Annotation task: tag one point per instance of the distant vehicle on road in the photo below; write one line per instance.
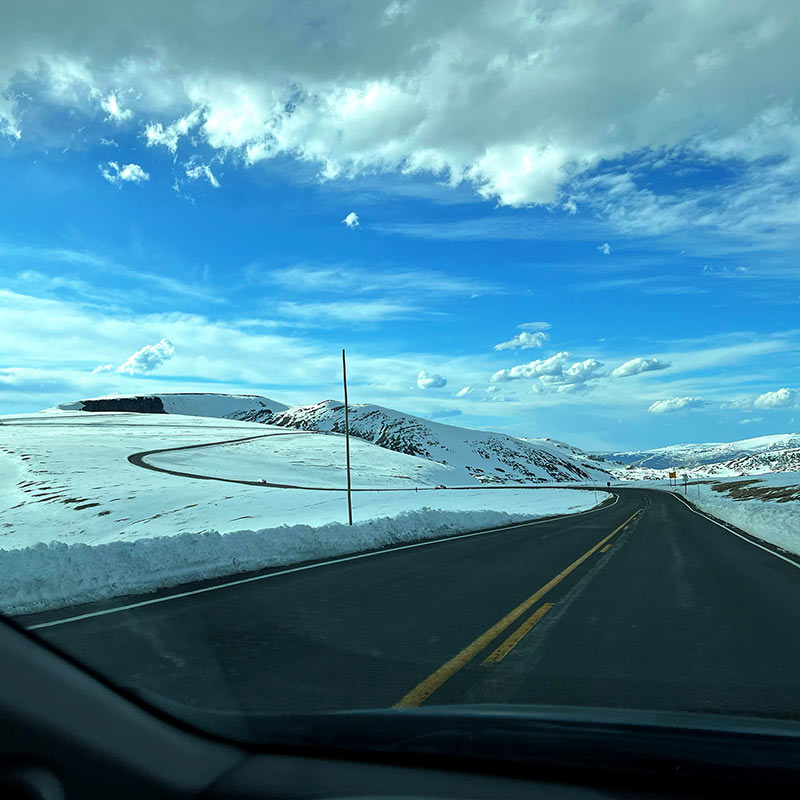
(261, 481)
(440, 486)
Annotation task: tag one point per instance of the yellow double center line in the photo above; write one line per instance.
(422, 691)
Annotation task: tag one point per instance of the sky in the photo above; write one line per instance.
(568, 219)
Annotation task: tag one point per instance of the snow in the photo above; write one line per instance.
(764, 505)
(476, 456)
(308, 459)
(684, 456)
(82, 523)
(252, 408)
(774, 519)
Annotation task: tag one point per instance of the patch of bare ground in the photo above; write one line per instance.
(750, 490)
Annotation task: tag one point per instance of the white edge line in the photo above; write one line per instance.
(339, 560)
(729, 530)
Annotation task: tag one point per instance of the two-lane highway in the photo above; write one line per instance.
(641, 604)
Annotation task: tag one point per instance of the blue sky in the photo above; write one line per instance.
(557, 249)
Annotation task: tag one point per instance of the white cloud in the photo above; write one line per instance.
(351, 220)
(464, 391)
(397, 9)
(553, 371)
(156, 134)
(604, 248)
(456, 90)
(781, 398)
(354, 280)
(115, 112)
(534, 326)
(638, 365)
(676, 404)
(128, 173)
(348, 311)
(523, 341)
(195, 171)
(578, 373)
(572, 388)
(103, 368)
(554, 365)
(426, 381)
(148, 358)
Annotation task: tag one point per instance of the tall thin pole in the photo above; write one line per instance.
(347, 441)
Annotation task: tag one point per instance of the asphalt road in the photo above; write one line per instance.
(644, 604)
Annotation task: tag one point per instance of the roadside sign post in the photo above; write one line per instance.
(673, 477)
(347, 441)
(685, 484)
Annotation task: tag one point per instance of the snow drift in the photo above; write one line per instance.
(54, 575)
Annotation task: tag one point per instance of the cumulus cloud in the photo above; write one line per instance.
(128, 173)
(553, 371)
(781, 398)
(149, 358)
(638, 365)
(578, 373)
(524, 341)
(426, 381)
(351, 220)
(554, 365)
(464, 391)
(451, 89)
(103, 368)
(787, 398)
(604, 248)
(676, 404)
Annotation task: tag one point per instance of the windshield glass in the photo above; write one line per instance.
(405, 355)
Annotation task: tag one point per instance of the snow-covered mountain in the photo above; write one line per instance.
(482, 456)
(243, 407)
(475, 456)
(775, 453)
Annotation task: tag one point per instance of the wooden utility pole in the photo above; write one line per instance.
(347, 441)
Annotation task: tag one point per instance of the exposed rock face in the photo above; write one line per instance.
(143, 404)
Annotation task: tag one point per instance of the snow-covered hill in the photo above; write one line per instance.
(472, 456)
(489, 458)
(243, 407)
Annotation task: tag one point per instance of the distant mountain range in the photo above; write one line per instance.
(476, 456)
(776, 453)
